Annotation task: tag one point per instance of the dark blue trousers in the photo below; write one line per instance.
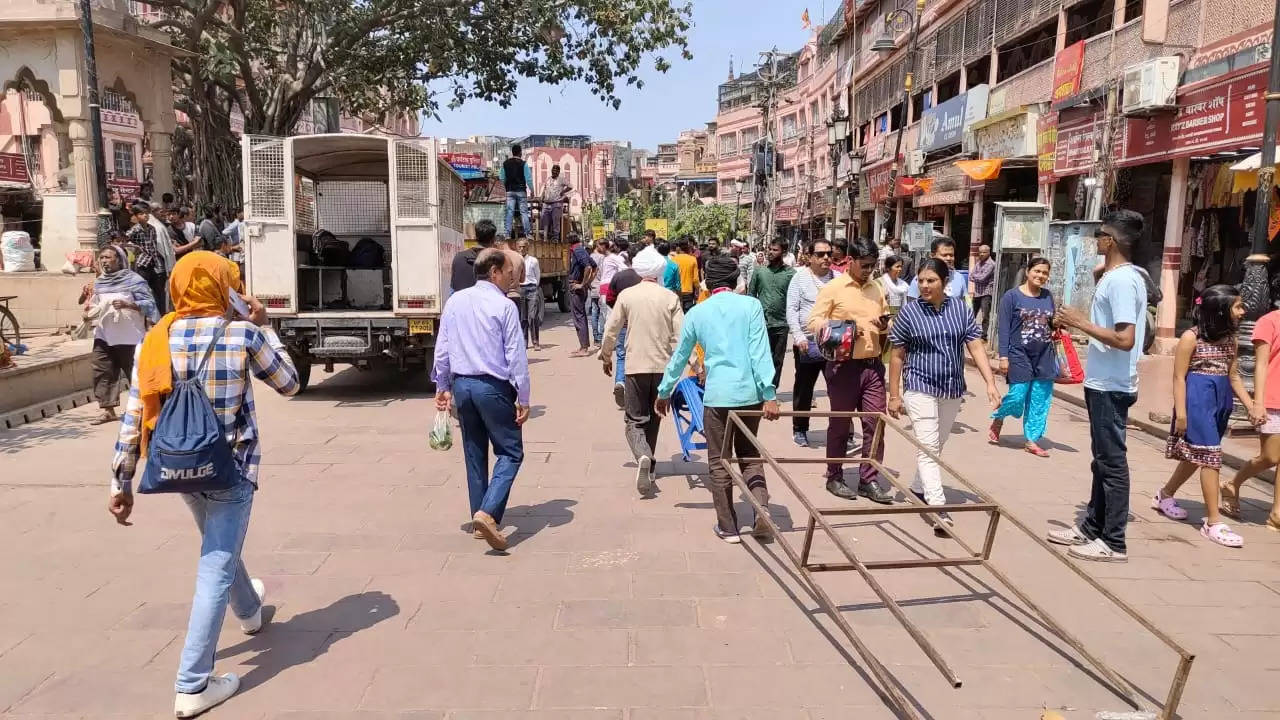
(487, 411)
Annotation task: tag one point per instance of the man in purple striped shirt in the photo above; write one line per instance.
(482, 370)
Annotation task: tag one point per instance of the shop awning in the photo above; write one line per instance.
(1246, 173)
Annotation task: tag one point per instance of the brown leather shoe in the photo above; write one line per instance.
(485, 525)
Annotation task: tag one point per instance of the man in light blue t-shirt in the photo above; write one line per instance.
(944, 249)
(1116, 321)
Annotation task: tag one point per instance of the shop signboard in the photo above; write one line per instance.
(1046, 147)
(944, 125)
(657, 225)
(1218, 115)
(1009, 137)
(878, 183)
(1074, 144)
(1067, 69)
(469, 165)
(13, 168)
(786, 213)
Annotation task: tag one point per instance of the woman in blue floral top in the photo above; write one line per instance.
(1027, 357)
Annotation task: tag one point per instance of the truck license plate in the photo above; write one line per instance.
(419, 326)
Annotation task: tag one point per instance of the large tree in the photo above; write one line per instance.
(271, 58)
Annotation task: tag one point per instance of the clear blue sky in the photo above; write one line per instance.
(681, 99)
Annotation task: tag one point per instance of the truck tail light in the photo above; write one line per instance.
(275, 302)
(417, 302)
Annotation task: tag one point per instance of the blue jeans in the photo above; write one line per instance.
(1108, 514)
(223, 519)
(597, 316)
(620, 357)
(487, 412)
(517, 200)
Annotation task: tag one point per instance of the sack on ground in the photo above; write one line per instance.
(441, 436)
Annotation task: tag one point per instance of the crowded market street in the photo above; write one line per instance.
(607, 606)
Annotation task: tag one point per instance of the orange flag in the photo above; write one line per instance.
(924, 185)
(805, 19)
(980, 169)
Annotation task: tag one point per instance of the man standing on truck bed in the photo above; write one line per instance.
(554, 200)
(462, 274)
(517, 178)
(482, 370)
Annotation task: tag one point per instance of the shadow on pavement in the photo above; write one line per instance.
(353, 387)
(276, 653)
(530, 520)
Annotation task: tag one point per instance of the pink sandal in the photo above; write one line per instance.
(1221, 534)
(1167, 507)
(993, 432)
(1036, 450)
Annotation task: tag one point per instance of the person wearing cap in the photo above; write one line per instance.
(652, 317)
(730, 328)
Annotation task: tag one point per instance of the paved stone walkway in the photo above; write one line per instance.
(608, 607)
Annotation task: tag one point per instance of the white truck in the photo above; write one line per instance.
(348, 243)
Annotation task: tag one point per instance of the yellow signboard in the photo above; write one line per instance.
(658, 225)
(608, 226)
(597, 232)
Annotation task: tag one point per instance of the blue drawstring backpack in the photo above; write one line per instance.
(188, 451)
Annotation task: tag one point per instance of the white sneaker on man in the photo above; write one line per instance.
(644, 476)
(252, 624)
(220, 687)
(1097, 551)
(1068, 536)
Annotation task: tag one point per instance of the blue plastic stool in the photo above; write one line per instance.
(686, 411)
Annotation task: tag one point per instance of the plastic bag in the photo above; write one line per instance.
(16, 252)
(441, 437)
(1070, 372)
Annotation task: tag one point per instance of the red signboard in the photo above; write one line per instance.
(1067, 68)
(13, 168)
(1074, 145)
(878, 183)
(1218, 115)
(786, 213)
(1046, 146)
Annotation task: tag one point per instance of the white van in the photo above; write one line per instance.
(348, 243)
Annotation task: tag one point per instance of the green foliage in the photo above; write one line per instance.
(592, 215)
(705, 221)
(272, 58)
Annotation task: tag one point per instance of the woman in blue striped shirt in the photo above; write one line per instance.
(926, 371)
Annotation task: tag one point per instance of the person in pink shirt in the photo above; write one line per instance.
(1266, 406)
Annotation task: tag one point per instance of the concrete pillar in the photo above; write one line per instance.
(1117, 16)
(82, 163)
(898, 219)
(1061, 41)
(964, 79)
(994, 74)
(161, 161)
(946, 220)
(1167, 311)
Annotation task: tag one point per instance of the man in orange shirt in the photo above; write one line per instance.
(689, 279)
(856, 384)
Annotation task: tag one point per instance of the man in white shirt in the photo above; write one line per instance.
(614, 261)
(531, 293)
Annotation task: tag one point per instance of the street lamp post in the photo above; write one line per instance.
(837, 140)
(855, 167)
(896, 21)
(1256, 286)
(738, 185)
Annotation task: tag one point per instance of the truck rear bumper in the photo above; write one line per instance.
(352, 338)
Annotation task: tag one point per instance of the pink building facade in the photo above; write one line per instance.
(799, 131)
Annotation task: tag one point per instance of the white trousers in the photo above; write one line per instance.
(931, 421)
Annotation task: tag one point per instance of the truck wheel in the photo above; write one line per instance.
(303, 365)
(562, 300)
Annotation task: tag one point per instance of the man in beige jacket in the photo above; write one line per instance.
(652, 317)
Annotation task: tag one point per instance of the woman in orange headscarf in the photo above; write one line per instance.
(201, 286)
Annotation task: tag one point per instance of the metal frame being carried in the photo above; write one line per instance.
(995, 511)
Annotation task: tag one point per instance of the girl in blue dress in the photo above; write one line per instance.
(1205, 375)
(1027, 357)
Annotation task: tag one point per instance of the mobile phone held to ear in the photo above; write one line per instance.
(238, 305)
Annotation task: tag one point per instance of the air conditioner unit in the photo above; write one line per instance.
(915, 162)
(1151, 86)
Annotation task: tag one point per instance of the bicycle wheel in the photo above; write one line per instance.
(9, 332)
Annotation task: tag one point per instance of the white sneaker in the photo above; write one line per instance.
(220, 687)
(644, 476)
(1097, 551)
(253, 623)
(1068, 536)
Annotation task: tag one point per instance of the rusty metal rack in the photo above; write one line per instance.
(982, 558)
